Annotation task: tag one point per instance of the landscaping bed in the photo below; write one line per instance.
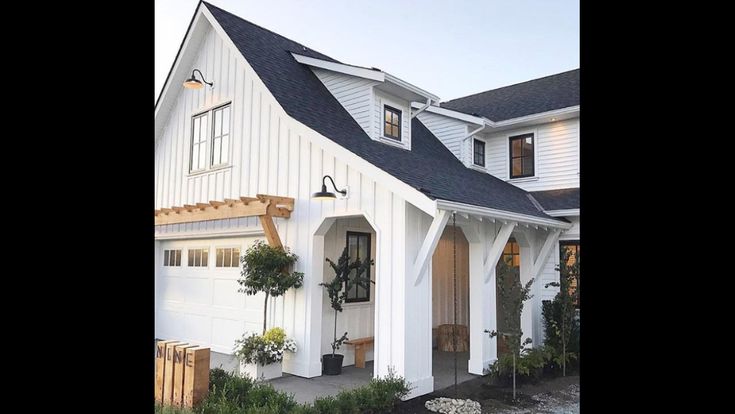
(553, 395)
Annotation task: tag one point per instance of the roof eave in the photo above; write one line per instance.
(500, 214)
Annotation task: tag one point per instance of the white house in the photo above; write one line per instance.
(277, 119)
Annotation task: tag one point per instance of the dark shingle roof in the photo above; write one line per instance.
(526, 98)
(563, 199)
(429, 164)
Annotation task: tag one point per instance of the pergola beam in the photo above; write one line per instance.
(264, 206)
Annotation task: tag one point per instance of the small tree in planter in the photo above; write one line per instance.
(511, 298)
(561, 325)
(337, 290)
(266, 269)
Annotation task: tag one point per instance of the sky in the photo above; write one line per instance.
(449, 48)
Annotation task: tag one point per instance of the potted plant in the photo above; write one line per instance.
(266, 269)
(337, 290)
(261, 355)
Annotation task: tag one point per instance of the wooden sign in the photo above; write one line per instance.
(196, 376)
(182, 373)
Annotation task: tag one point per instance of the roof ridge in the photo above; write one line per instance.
(269, 31)
(511, 85)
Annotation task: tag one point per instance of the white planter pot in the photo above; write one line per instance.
(261, 372)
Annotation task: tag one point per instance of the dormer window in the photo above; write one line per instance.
(521, 156)
(479, 153)
(392, 123)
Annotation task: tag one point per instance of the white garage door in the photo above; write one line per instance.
(197, 299)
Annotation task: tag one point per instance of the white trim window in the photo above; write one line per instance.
(199, 134)
(210, 138)
(220, 135)
(228, 257)
(198, 257)
(172, 258)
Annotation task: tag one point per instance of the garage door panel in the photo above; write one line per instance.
(226, 294)
(226, 331)
(202, 305)
(172, 289)
(197, 291)
(198, 328)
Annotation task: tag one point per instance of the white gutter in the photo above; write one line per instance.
(563, 213)
(422, 109)
(500, 214)
(485, 121)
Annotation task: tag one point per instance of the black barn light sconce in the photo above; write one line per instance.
(194, 83)
(326, 195)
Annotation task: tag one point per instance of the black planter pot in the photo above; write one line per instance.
(332, 365)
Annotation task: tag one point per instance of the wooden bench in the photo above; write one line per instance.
(360, 345)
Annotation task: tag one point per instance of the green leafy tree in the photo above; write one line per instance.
(562, 326)
(267, 269)
(338, 287)
(512, 294)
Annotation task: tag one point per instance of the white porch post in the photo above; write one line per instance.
(485, 250)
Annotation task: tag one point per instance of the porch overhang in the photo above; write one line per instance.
(501, 215)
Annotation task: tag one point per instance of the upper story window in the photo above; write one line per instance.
(210, 135)
(221, 135)
(358, 248)
(392, 122)
(521, 156)
(199, 134)
(479, 153)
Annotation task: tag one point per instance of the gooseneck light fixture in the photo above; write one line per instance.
(326, 195)
(194, 83)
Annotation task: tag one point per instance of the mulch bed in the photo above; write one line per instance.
(491, 397)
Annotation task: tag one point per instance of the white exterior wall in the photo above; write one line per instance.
(354, 93)
(274, 154)
(449, 130)
(557, 155)
(357, 319)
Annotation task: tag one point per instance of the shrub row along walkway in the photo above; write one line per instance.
(557, 395)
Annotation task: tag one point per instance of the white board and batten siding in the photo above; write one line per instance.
(355, 94)
(556, 147)
(273, 154)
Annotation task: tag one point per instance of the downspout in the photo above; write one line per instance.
(468, 136)
(422, 109)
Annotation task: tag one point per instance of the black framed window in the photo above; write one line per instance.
(358, 247)
(392, 123)
(521, 156)
(512, 253)
(571, 246)
(479, 152)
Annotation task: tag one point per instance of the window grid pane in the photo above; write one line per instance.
(358, 247)
(392, 125)
(521, 156)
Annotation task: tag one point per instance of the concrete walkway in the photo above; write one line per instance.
(307, 389)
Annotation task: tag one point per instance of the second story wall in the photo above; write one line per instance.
(354, 93)
(556, 155)
(449, 131)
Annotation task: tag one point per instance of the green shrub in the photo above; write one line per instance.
(551, 311)
(529, 365)
(230, 394)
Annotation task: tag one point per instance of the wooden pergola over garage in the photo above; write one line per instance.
(264, 206)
